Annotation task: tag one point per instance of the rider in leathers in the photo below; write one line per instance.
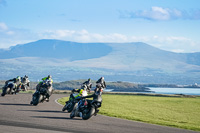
(25, 81)
(97, 95)
(101, 83)
(17, 83)
(88, 84)
(80, 91)
(48, 94)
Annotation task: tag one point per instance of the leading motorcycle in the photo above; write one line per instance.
(41, 94)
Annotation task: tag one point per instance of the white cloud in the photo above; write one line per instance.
(83, 36)
(12, 36)
(10, 32)
(174, 44)
(178, 50)
(160, 13)
(3, 27)
(116, 37)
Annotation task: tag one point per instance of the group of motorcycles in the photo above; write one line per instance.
(77, 106)
(38, 97)
(9, 87)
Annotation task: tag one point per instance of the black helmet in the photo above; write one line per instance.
(89, 79)
(84, 87)
(49, 76)
(25, 76)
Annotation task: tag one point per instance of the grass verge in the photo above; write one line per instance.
(180, 112)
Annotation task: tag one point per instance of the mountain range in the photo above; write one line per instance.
(65, 60)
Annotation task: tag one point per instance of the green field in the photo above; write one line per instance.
(178, 112)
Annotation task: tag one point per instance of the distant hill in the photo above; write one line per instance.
(116, 86)
(57, 49)
(135, 62)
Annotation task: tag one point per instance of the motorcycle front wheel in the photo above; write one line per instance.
(65, 107)
(72, 115)
(5, 91)
(36, 100)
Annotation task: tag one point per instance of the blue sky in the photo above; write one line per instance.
(171, 25)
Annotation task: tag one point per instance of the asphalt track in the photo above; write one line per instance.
(18, 116)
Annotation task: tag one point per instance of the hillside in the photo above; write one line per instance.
(116, 86)
(134, 62)
(56, 49)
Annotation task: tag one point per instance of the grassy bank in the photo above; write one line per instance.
(178, 112)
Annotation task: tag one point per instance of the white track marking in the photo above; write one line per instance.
(58, 102)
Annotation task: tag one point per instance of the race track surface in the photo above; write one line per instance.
(18, 116)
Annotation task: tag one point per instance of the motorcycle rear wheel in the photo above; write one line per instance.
(72, 115)
(87, 115)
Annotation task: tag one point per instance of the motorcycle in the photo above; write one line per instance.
(9, 88)
(41, 94)
(69, 105)
(87, 108)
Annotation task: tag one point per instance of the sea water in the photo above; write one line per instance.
(185, 91)
(160, 90)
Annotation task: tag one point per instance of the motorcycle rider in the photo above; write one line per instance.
(82, 91)
(49, 77)
(88, 84)
(101, 83)
(48, 94)
(25, 81)
(73, 98)
(17, 83)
